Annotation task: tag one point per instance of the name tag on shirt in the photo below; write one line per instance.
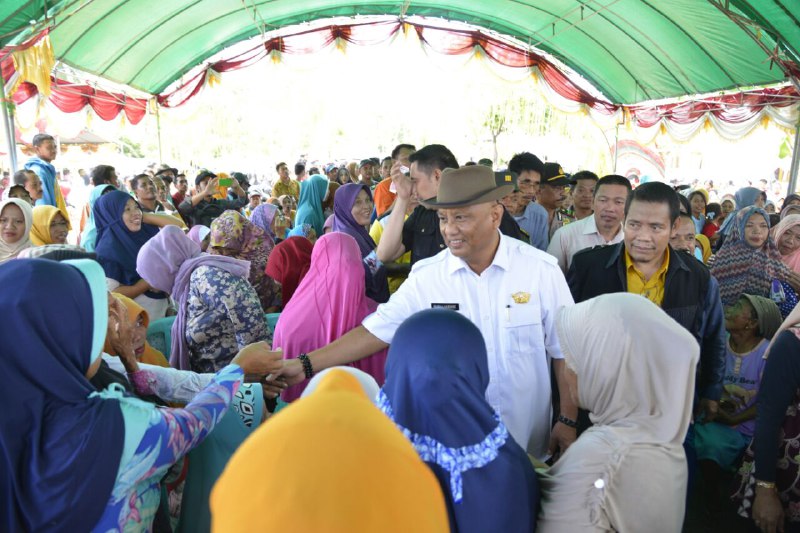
(452, 307)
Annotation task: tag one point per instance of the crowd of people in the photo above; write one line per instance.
(400, 344)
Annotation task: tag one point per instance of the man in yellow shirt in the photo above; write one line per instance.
(652, 288)
(645, 264)
(285, 184)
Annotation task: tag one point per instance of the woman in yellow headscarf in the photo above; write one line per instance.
(49, 226)
(366, 477)
(705, 246)
(140, 320)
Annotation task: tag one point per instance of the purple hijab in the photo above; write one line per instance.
(166, 262)
(262, 216)
(343, 220)
(198, 233)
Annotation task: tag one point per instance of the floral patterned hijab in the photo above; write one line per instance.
(233, 235)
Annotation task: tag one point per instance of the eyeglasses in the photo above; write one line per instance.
(57, 224)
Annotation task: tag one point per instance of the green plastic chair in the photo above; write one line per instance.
(159, 335)
(272, 321)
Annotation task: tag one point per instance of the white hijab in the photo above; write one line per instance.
(636, 372)
(367, 382)
(10, 251)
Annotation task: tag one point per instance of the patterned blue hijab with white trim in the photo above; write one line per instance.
(436, 379)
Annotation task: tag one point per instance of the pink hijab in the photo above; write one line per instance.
(329, 302)
(789, 221)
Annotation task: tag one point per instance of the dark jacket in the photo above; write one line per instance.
(206, 211)
(691, 297)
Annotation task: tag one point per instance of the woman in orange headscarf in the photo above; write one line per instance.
(140, 320)
(367, 477)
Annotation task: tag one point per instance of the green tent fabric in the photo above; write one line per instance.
(630, 50)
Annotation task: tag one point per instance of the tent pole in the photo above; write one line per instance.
(616, 148)
(795, 162)
(158, 130)
(8, 126)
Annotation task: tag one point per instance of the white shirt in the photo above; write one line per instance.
(172, 385)
(576, 236)
(520, 337)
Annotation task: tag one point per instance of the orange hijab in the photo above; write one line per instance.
(335, 463)
(151, 356)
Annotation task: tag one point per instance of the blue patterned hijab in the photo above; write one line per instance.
(117, 247)
(59, 448)
(436, 379)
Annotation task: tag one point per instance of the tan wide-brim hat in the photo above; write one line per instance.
(467, 186)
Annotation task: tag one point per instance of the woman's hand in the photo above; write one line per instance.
(257, 359)
(768, 510)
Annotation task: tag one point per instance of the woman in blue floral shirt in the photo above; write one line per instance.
(72, 459)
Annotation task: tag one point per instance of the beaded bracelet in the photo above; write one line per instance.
(308, 370)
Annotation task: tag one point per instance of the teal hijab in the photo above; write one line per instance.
(89, 233)
(309, 208)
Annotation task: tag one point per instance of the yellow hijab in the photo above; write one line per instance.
(43, 216)
(705, 244)
(330, 462)
(151, 356)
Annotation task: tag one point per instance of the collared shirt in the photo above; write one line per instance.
(534, 222)
(292, 189)
(653, 288)
(514, 304)
(577, 236)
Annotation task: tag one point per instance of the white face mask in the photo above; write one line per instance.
(698, 253)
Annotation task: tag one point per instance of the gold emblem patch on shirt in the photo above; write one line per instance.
(521, 297)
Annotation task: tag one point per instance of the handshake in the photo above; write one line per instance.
(262, 365)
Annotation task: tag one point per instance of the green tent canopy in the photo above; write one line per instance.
(629, 50)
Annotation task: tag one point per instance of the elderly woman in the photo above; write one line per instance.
(232, 235)
(139, 321)
(750, 263)
(632, 457)
(49, 226)
(436, 394)
(99, 457)
(352, 210)
(787, 238)
(218, 310)
(16, 220)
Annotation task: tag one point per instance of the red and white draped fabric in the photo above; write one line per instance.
(731, 115)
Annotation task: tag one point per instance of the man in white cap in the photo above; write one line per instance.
(509, 289)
